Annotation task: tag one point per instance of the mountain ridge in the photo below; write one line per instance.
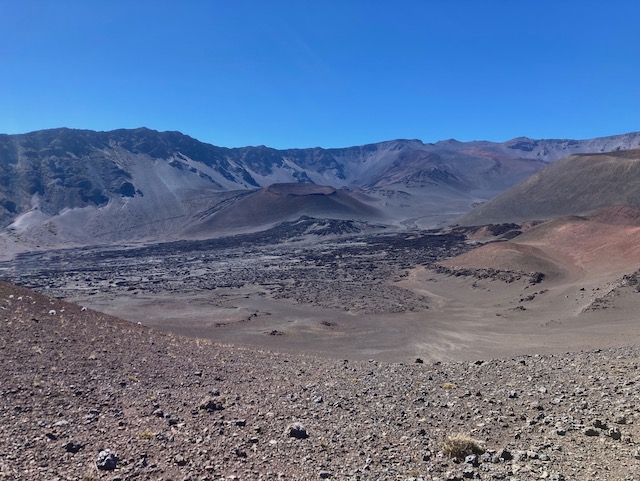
(66, 185)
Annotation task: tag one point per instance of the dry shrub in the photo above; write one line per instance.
(459, 446)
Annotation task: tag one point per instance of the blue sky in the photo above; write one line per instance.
(322, 73)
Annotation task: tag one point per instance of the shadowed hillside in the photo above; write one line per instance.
(284, 202)
(571, 186)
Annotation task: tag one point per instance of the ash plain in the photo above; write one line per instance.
(335, 291)
(338, 289)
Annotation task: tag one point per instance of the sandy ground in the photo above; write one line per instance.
(467, 319)
(581, 303)
(76, 383)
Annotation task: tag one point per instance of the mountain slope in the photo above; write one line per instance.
(571, 186)
(63, 186)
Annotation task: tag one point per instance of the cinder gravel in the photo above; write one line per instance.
(78, 386)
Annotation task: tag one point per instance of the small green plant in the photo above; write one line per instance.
(146, 434)
(459, 446)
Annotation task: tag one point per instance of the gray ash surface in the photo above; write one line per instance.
(352, 271)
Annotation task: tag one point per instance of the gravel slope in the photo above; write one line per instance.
(173, 408)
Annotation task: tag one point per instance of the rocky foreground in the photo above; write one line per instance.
(89, 397)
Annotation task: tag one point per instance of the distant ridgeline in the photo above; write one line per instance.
(77, 187)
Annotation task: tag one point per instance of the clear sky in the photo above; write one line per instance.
(304, 73)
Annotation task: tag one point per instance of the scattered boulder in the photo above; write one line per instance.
(106, 460)
(73, 447)
(297, 430)
(599, 424)
(472, 459)
(505, 455)
(211, 405)
(614, 433)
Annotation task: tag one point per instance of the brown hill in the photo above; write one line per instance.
(506, 256)
(590, 245)
(617, 215)
(575, 185)
(607, 241)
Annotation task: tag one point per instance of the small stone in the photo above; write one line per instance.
(486, 457)
(614, 433)
(505, 455)
(73, 447)
(512, 394)
(597, 423)
(621, 419)
(318, 399)
(325, 474)
(452, 476)
(297, 430)
(211, 405)
(468, 473)
(180, 460)
(106, 460)
(419, 361)
(520, 456)
(591, 432)
(472, 459)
